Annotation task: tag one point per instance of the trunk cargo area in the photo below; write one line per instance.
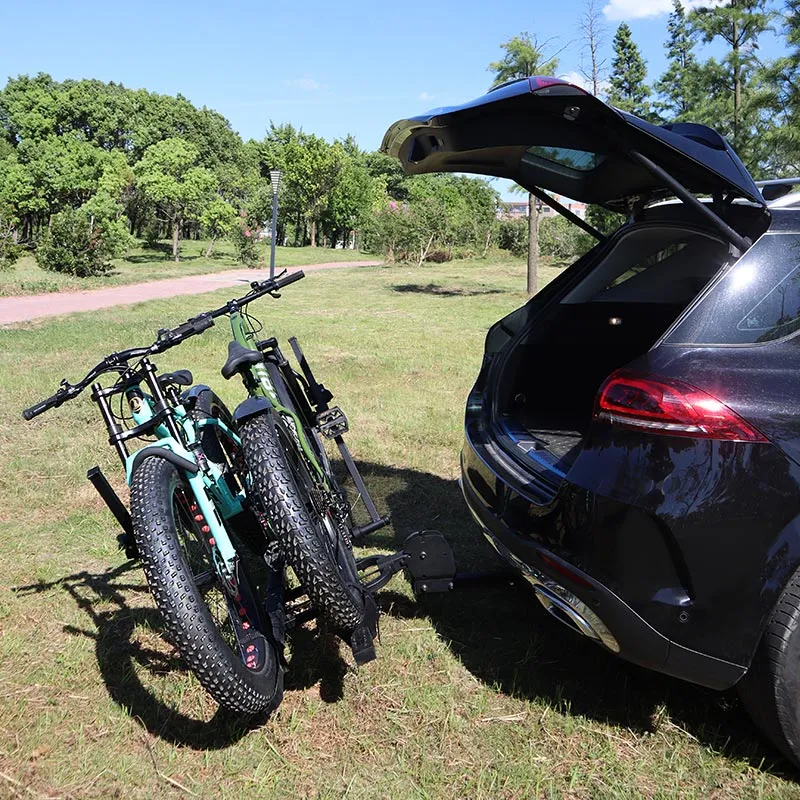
(548, 383)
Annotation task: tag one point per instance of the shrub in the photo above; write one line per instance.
(438, 256)
(152, 233)
(76, 244)
(512, 235)
(9, 252)
(243, 237)
(561, 240)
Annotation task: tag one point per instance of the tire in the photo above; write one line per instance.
(197, 612)
(310, 540)
(770, 691)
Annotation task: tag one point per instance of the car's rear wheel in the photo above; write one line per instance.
(771, 689)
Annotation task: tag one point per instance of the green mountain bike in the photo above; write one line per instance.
(283, 424)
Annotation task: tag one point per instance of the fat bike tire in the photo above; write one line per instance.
(198, 614)
(315, 548)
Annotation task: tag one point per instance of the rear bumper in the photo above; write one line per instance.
(486, 473)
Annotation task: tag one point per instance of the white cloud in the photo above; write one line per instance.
(425, 96)
(305, 83)
(579, 80)
(641, 9)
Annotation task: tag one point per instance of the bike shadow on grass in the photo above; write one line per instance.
(505, 639)
(123, 654)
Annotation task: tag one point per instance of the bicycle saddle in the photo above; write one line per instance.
(181, 377)
(239, 356)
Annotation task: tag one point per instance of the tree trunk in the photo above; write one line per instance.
(176, 240)
(210, 246)
(313, 232)
(533, 244)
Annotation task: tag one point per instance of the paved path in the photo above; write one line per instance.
(20, 309)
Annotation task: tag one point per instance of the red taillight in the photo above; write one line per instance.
(665, 405)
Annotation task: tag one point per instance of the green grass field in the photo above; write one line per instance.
(475, 694)
(143, 264)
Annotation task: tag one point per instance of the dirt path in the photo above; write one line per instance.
(21, 309)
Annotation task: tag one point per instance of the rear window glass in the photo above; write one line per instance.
(758, 299)
(579, 160)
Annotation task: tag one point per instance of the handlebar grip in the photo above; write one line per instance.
(41, 407)
(290, 278)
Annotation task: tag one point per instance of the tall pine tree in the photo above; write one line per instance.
(628, 90)
(784, 77)
(679, 86)
(736, 94)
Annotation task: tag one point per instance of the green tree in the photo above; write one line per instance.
(523, 58)
(735, 92)
(217, 220)
(169, 174)
(628, 91)
(312, 168)
(679, 87)
(784, 81)
(354, 196)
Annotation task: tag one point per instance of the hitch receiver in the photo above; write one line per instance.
(426, 557)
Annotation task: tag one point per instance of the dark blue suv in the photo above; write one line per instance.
(633, 438)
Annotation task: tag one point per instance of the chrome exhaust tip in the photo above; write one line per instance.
(562, 605)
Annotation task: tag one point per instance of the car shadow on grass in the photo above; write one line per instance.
(505, 639)
(122, 655)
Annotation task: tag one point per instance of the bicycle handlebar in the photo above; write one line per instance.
(167, 338)
(44, 405)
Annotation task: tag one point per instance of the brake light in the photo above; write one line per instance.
(668, 406)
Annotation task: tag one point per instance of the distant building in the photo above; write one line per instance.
(518, 209)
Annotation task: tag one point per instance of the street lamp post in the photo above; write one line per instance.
(275, 178)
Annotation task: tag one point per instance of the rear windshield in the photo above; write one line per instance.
(757, 300)
(580, 160)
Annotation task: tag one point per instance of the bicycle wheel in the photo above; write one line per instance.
(220, 634)
(305, 520)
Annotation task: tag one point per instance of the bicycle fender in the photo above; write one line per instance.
(161, 452)
(195, 390)
(251, 407)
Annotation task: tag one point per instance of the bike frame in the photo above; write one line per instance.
(178, 433)
(258, 384)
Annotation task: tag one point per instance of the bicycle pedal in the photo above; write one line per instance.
(332, 422)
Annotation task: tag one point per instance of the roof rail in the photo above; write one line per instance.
(774, 189)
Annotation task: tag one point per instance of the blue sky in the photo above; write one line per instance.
(329, 68)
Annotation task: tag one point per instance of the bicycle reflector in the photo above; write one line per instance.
(668, 406)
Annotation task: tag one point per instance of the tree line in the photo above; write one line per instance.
(86, 165)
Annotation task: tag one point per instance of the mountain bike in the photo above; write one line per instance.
(294, 489)
(221, 599)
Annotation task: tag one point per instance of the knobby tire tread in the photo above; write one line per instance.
(303, 541)
(188, 622)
